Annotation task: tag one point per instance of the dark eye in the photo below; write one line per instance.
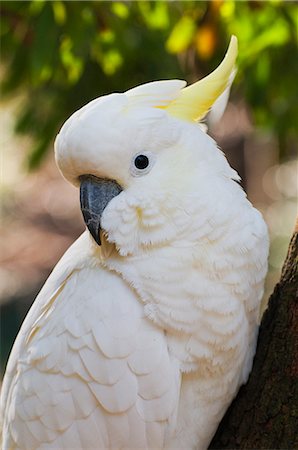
(141, 162)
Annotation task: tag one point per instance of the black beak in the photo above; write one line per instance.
(95, 194)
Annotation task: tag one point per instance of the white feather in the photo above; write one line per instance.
(145, 342)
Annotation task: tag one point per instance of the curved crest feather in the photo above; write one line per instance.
(194, 101)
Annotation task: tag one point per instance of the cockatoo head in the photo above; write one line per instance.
(140, 159)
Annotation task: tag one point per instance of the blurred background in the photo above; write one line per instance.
(58, 55)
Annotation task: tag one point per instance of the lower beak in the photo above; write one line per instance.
(95, 194)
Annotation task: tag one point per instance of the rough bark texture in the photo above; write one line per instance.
(264, 415)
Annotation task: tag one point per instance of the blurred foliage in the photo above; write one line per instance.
(62, 54)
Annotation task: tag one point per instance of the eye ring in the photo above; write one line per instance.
(142, 163)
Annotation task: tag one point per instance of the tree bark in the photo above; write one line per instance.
(264, 415)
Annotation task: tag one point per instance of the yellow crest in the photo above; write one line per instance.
(194, 101)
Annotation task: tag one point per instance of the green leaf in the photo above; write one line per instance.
(36, 6)
(59, 12)
(111, 61)
(43, 48)
(276, 35)
(73, 64)
(155, 14)
(181, 35)
(120, 9)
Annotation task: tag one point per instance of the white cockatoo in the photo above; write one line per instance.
(147, 326)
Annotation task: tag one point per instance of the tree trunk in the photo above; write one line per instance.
(264, 415)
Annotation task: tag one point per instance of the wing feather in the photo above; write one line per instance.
(118, 397)
(88, 369)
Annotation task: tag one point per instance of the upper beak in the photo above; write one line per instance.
(95, 194)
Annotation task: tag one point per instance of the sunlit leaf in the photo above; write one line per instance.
(46, 73)
(276, 35)
(155, 14)
(181, 35)
(111, 61)
(73, 64)
(120, 9)
(36, 7)
(59, 12)
(227, 9)
(107, 36)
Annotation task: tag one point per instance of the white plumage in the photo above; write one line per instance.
(142, 342)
